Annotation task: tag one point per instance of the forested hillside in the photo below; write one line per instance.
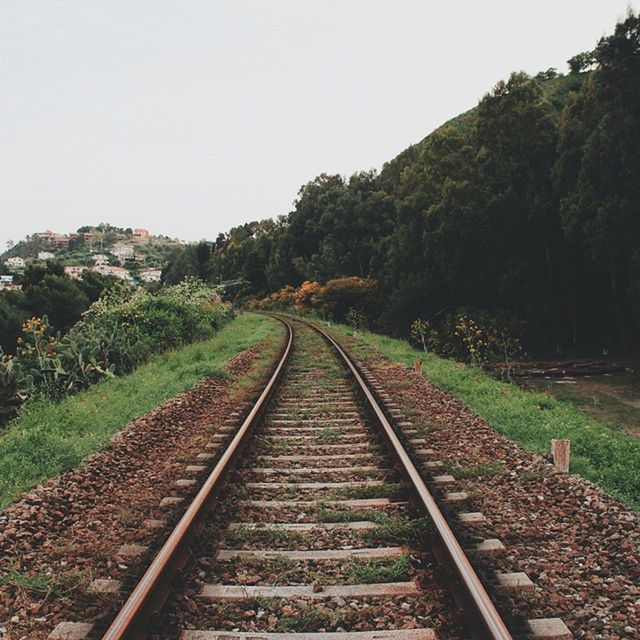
(527, 208)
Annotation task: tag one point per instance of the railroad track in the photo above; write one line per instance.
(322, 528)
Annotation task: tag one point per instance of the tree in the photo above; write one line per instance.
(340, 295)
(12, 318)
(517, 133)
(190, 261)
(93, 284)
(581, 61)
(77, 243)
(59, 298)
(549, 74)
(599, 164)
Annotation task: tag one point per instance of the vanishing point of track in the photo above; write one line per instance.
(325, 499)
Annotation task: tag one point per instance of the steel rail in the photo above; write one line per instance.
(484, 619)
(152, 589)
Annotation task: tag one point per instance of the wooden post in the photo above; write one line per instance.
(417, 366)
(561, 451)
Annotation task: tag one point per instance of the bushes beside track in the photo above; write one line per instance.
(121, 330)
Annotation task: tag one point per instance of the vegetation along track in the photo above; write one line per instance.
(324, 527)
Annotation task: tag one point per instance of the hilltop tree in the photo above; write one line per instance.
(581, 61)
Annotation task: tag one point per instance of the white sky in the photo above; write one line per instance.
(190, 116)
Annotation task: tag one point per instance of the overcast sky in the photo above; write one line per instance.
(188, 117)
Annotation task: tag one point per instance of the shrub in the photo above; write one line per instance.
(336, 297)
(282, 300)
(120, 331)
(350, 298)
(306, 297)
(473, 336)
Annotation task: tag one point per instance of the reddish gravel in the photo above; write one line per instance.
(579, 546)
(69, 529)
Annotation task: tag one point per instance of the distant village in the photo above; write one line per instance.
(123, 255)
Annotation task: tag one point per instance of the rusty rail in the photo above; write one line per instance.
(484, 619)
(152, 589)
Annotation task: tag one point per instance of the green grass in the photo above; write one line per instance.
(395, 529)
(48, 438)
(306, 619)
(612, 398)
(374, 571)
(330, 434)
(60, 586)
(354, 492)
(347, 515)
(599, 452)
(262, 536)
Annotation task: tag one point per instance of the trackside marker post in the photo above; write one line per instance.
(561, 451)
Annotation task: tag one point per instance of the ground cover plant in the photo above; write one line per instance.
(49, 437)
(600, 452)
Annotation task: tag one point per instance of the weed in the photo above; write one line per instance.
(482, 469)
(59, 585)
(345, 515)
(262, 536)
(388, 490)
(330, 434)
(307, 619)
(372, 571)
(127, 515)
(398, 530)
(539, 471)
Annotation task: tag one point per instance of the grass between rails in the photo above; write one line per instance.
(48, 438)
(599, 451)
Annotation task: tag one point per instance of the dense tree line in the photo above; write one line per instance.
(528, 206)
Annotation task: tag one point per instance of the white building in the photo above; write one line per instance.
(109, 270)
(150, 275)
(45, 255)
(100, 258)
(15, 264)
(122, 251)
(6, 281)
(75, 271)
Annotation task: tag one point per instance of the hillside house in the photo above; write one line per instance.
(58, 240)
(122, 252)
(6, 281)
(46, 255)
(100, 258)
(15, 264)
(116, 272)
(150, 275)
(141, 236)
(75, 271)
